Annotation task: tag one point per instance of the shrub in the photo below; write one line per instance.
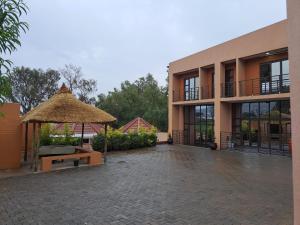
(98, 142)
(64, 138)
(65, 141)
(122, 141)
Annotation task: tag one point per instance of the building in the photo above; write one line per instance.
(137, 125)
(90, 130)
(236, 94)
(293, 12)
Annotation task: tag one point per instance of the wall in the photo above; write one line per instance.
(10, 136)
(269, 38)
(294, 56)
(252, 71)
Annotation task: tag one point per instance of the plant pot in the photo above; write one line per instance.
(76, 162)
(212, 145)
(170, 141)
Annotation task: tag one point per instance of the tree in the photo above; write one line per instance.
(142, 98)
(85, 88)
(72, 75)
(10, 31)
(30, 87)
(82, 87)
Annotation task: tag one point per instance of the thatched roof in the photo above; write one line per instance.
(76, 128)
(64, 107)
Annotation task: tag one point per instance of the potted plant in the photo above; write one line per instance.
(211, 140)
(76, 162)
(170, 140)
(212, 145)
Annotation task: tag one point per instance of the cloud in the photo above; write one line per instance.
(121, 40)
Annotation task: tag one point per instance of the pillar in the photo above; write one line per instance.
(293, 11)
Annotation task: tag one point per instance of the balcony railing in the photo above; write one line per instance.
(207, 92)
(178, 136)
(187, 95)
(228, 89)
(270, 144)
(263, 86)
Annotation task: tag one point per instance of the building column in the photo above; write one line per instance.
(293, 11)
(223, 115)
(200, 82)
(240, 75)
(170, 102)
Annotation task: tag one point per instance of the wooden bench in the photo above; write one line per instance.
(93, 158)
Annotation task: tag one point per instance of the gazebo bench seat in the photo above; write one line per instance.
(93, 158)
(52, 150)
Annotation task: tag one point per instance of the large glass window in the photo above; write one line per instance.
(191, 88)
(275, 77)
(264, 125)
(199, 125)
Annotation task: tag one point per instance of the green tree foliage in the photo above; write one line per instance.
(10, 31)
(30, 87)
(142, 98)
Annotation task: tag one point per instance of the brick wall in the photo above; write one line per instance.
(10, 136)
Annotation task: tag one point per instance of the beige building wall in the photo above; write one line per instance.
(10, 136)
(294, 54)
(231, 53)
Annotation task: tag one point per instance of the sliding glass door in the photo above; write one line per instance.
(263, 125)
(191, 88)
(275, 77)
(199, 125)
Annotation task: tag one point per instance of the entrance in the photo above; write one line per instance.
(263, 126)
(199, 125)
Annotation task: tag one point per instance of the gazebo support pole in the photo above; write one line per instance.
(26, 142)
(37, 148)
(82, 132)
(105, 142)
(33, 146)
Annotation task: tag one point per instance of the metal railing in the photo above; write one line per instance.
(269, 144)
(263, 86)
(187, 95)
(207, 92)
(228, 89)
(178, 136)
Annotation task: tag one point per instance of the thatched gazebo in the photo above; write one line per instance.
(64, 107)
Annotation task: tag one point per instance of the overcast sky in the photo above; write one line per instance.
(117, 40)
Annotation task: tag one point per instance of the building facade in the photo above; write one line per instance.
(293, 12)
(236, 94)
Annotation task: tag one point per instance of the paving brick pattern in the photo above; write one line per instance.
(164, 185)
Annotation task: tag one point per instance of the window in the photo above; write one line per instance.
(263, 125)
(191, 88)
(199, 125)
(275, 77)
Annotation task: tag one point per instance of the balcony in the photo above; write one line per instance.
(228, 89)
(207, 92)
(187, 95)
(265, 86)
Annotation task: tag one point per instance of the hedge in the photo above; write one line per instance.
(122, 141)
(64, 138)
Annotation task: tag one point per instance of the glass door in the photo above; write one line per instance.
(229, 77)
(274, 77)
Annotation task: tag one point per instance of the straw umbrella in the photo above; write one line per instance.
(64, 107)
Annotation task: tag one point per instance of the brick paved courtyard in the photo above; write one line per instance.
(164, 185)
